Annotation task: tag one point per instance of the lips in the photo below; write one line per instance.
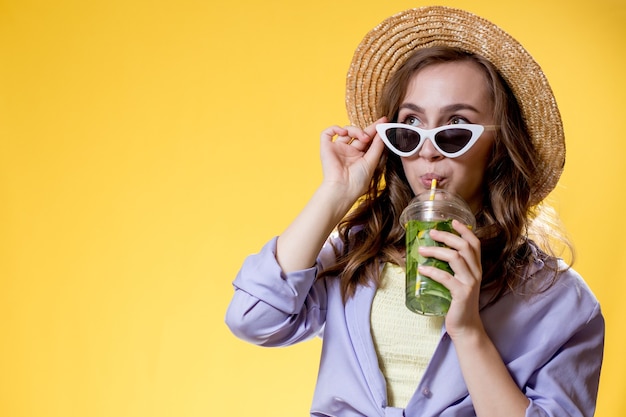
(427, 180)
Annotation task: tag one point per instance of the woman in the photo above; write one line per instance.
(524, 334)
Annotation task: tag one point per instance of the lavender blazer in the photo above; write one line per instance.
(552, 342)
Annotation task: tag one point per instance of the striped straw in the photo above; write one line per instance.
(433, 185)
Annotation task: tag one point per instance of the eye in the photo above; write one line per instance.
(458, 120)
(412, 120)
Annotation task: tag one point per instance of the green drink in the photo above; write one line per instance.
(423, 295)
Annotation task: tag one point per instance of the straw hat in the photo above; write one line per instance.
(385, 48)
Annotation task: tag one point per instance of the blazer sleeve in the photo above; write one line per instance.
(274, 308)
(566, 384)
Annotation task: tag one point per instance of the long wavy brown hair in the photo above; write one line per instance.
(371, 233)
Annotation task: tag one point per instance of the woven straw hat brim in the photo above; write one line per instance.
(385, 48)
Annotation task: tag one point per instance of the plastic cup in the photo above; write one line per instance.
(434, 209)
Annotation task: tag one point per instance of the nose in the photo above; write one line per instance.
(428, 151)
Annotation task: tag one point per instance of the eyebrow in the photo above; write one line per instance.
(447, 109)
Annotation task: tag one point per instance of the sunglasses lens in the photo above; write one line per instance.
(453, 140)
(404, 140)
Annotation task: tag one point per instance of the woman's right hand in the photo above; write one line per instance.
(349, 157)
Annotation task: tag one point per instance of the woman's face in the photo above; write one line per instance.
(443, 94)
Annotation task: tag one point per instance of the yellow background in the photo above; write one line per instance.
(147, 147)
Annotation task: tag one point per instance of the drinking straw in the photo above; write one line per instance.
(433, 185)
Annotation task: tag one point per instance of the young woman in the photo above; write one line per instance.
(524, 334)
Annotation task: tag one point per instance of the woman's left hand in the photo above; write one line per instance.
(463, 255)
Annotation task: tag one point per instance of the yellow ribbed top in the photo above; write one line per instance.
(404, 341)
